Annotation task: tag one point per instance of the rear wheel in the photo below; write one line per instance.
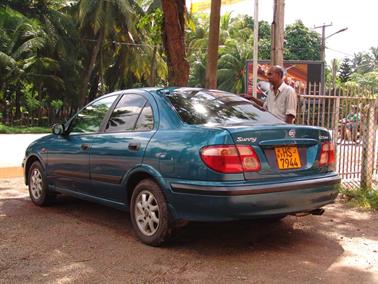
(38, 190)
(149, 213)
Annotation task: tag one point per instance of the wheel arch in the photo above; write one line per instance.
(30, 160)
(140, 173)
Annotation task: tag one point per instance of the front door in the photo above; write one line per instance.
(68, 155)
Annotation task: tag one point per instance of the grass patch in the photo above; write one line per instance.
(23, 130)
(358, 197)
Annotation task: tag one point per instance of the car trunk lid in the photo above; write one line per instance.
(283, 150)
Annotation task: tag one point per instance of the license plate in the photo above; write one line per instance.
(287, 157)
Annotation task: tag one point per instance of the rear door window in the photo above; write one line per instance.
(146, 119)
(126, 114)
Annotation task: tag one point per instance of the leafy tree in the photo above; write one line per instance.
(301, 43)
(264, 40)
(150, 25)
(364, 62)
(345, 70)
(368, 80)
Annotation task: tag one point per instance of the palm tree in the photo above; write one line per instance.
(99, 21)
(231, 67)
(22, 38)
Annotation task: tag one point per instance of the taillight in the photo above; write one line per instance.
(230, 158)
(327, 155)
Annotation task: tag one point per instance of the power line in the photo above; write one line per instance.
(339, 51)
(123, 43)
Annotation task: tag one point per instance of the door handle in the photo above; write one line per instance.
(134, 146)
(84, 147)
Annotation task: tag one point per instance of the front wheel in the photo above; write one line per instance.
(149, 213)
(38, 190)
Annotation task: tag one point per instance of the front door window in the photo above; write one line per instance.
(90, 118)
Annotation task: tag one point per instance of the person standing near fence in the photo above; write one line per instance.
(282, 99)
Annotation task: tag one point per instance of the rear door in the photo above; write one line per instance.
(121, 146)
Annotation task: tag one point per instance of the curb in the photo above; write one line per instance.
(11, 172)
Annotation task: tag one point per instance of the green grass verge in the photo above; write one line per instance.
(357, 197)
(23, 130)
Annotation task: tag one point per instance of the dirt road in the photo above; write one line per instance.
(76, 241)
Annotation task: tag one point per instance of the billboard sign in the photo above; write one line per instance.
(298, 75)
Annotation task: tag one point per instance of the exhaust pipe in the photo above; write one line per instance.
(318, 212)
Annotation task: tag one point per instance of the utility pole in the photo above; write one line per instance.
(213, 44)
(255, 47)
(322, 57)
(334, 72)
(278, 31)
(322, 51)
(322, 44)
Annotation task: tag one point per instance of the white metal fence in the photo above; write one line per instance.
(351, 116)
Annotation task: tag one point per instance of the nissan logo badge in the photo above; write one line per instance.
(292, 133)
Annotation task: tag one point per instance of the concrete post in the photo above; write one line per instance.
(368, 148)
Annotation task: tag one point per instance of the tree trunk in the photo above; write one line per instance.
(91, 66)
(17, 114)
(94, 87)
(152, 79)
(174, 41)
(212, 49)
(3, 105)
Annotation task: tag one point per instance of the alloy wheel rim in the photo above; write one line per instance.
(147, 213)
(36, 184)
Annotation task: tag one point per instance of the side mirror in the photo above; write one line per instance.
(58, 129)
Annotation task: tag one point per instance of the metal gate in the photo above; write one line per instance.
(351, 117)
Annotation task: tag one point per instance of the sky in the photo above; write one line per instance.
(360, 17)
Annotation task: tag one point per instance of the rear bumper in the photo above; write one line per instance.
(206, 201)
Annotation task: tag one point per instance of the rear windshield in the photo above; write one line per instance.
(217, 108)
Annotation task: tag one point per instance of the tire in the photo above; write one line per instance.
(149, 213)
(38, 190)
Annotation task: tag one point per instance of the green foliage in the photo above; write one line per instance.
(345, 70)
(31, 98)
(301, 43)
(364, 62)
(364, 198)
(23, 130)
(231, 65)
(56, 104)
(236, 43)
(364, 71)
(368, 80)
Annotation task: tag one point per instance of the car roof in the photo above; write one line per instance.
(162, 91)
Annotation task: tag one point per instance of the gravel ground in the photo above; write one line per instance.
(76, 241)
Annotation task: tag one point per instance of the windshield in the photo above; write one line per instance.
(211, 107)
